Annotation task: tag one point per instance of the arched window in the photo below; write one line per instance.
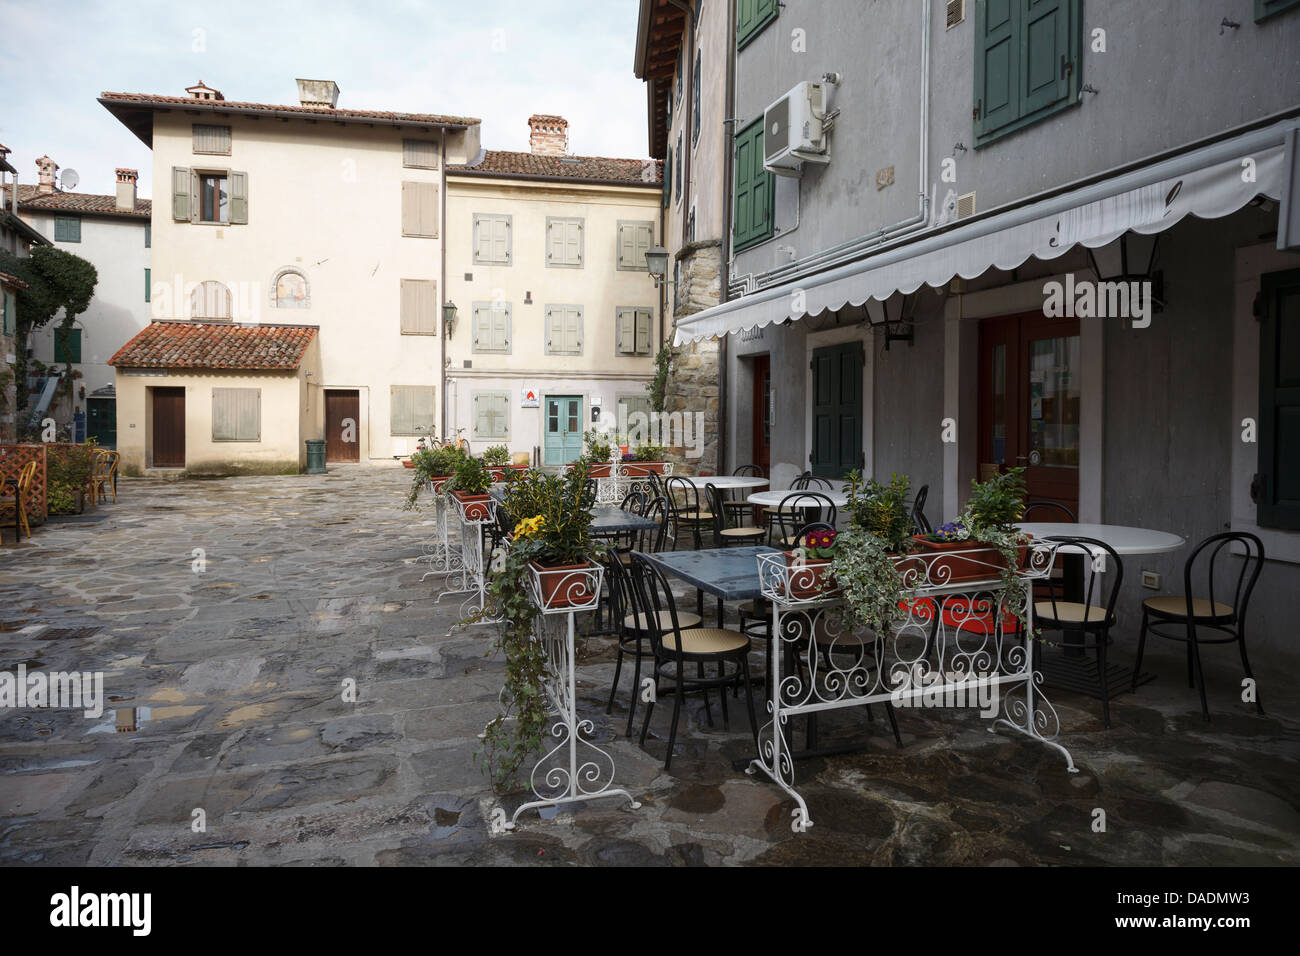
(289, 290)
(210, 300)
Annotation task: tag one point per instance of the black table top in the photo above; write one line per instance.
(728, 573)
(605, 519)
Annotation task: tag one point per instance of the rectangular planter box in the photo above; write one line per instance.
(567, 585)
(643, 467)
(475, 507)
(975, 562)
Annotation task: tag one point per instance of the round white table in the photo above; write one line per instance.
(726, 482)
(773, 499)
(1123, 539)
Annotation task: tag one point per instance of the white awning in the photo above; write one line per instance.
(1208, 182)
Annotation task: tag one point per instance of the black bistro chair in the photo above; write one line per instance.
(1047, 511)
(739, 511)
(725, 534)
(1186, 618)
(798, 509)
(920, 523)
(677, 647)
(684, 502)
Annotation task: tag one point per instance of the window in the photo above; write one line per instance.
(491, 416)
(668, 178)
(420, 210)
(634, 241)
(491, 239)
(209, 195)
(67, 345)
(148, 234)
(1278, 496)
(751, 17)
(492, 327)
(754, 190)
(677, 173)
(411, 410)
(695, 101)
(148, 287)
(212, 139)
(563, 243)
(564, 330)
(420, 153)
(680, 71)
(1267, 8)
(1027, 61)
(419, 307)
(634, 417)
(67, 228)
(236, 414)
(289, 289)
(210, 300)
(632, 331)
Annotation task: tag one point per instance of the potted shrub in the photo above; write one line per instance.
(984, 538)
(433, 466)
(469, 484)
(68, 474)
(868, 553)
(649, 457)
(553, 534)
(810, 564)
(596, 454)
(497, 458)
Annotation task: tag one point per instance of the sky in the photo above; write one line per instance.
(499, 60)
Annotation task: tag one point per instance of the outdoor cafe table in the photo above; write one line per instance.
(729, 574)
(726, 482)
(773, 499)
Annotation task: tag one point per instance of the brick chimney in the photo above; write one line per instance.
(126, 179)
(318, 93)
(45, 181)
(548, 135)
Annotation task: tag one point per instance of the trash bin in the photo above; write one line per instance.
(315, 456)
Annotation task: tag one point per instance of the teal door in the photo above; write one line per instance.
(837, 410)
(563, 429)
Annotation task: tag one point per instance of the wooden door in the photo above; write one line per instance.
(563, 438)
(762, 413)
(342, 428)
(169, 428)
(1029, 402)
(837, 410)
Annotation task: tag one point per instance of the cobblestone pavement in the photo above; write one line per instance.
(234, 675)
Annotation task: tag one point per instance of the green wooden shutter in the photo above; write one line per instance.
(754, 189)
(67, 229)
(238, 197)
(148, 287)
(1044, 54)
(211, 139)
(1278, 495)
(67, 345)
(837, 409)
(1267, 8)
(668, 178)
(997, 64)
(751, 17)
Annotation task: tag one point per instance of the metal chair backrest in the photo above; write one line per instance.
(633, 501)
(750, 471)
(652, 539)
(656, 604)
(800, 508)
(622, 600)
(1055, 511)
(713, 499)
(682, 495)
(920, 523)
(1236, 594)
(1102, 568)
(808, 481)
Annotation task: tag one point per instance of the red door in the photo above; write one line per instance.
(169, 428)
(762, 413)
(342, 431)
(1029, 403)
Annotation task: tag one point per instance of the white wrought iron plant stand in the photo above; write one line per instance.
(939, 648)
(473, 562)
(440, 554)
(625, 476)
(574, 770)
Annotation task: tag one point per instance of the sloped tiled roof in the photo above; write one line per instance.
(168, 344)
(596, 169)
(30, 199)
(13, 281)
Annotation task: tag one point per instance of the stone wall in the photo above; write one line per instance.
(693, 378)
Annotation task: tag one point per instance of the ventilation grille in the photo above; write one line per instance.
(965, 205)
(956, 12)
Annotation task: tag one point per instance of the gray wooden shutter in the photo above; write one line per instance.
(573, 318)
(500, 239)
(643, 239)
(236, 414)
(401, 411)
(501, 329)
(643, 331)
(419, 307)
(181, 193)
(555, 243)
(626, 321)
(573, 243)
(422, 402)
(627, 245)
(211, 139)
(500, 415)
(238, 197)
(420, 153)
(420, 210)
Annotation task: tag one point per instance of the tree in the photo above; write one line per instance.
(56, 280)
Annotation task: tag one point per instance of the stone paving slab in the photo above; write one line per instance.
(234, 679)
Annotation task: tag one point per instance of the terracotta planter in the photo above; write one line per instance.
(598, 471)
(407, 463)
(977, 562)
(645, 467)
(622, 450)
(439, 483)
(475, 506)
(498, 472)
(810, 579)
(565, 585)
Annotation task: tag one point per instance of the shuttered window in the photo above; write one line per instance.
(1028, 55)
(677, 173)
(1267, 8)
(492, 244)
(634, 413)
(492, 327)
(695, 101)
(564, 330)
(491, 416)
(148, 286)
(209, 195)
(214, 140)
(210, 300)
(751, 17)
(67, 345)
(1278, 486)
(634, 241)
(564, 243)
(419, 307)
(633, 330)
(420, 153)
(181, 193)
(67, 228)
(411, 410)
(236, 414)
(148, 235)
(668, 178)
(420, 210)
(755, 188)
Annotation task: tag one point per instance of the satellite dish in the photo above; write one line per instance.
(69, 179)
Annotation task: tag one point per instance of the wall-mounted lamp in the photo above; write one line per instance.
(893, 316)
(449, 316)
(656, 260)
(1130, 258)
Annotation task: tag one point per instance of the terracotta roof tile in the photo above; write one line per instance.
(169, 344)
(233, 106)
(13, 281)
(503, 163)
(30, 199)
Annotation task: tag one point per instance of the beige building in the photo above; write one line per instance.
(557, 319)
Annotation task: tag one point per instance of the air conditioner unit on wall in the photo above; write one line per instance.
(793, 130)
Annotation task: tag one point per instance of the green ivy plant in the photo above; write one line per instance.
(657, 387)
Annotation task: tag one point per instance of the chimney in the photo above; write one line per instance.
(47, 167)
(126, 179)
(322, 94)
(202, 92)
(548, 135)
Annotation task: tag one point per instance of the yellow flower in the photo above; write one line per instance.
(530, 526)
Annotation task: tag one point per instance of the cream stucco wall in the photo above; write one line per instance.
(324, 199)
(599, 287)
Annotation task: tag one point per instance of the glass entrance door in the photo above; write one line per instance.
(563, 438)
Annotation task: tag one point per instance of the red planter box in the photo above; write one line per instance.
(476, 507)
(565, 585)
(630, 467)
(810, 579)
(979, 562)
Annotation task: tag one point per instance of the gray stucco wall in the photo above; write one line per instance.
(908, 397)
